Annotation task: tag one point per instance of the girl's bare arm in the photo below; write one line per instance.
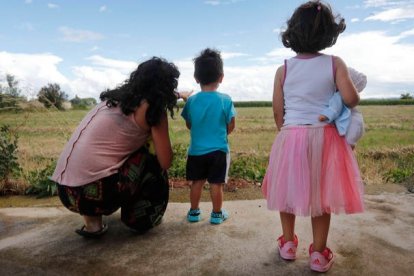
(344, 84)
(278, 102)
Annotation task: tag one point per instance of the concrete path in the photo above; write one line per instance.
(41, 241)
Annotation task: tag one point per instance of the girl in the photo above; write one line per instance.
(107, 164)
(312, 170)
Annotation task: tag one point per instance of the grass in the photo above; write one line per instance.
(42, 135)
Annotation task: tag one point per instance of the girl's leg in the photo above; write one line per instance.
(216, 193)
(320, 228)
(288, 226)
(195, 193)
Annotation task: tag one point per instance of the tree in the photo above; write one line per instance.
(406, 96)
(10, 95)
(82, 103)
(51, 95)
(13, 89)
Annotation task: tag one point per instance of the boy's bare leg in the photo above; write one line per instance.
(288, 226)
(93, 223)
(320, 229)
(195, 193)
(216, 193)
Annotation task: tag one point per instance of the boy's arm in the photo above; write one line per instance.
(188, 124)
(231, 125)
(185, 114)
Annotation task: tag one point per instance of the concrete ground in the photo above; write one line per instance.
(41, 241)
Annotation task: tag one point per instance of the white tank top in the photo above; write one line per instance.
(308, 85)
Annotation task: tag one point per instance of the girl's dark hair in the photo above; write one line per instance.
(155, 81)
(312, 28)
(208, 66)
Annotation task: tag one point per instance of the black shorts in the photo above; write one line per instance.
(213, 166)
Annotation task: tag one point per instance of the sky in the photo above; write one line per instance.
(89, 46)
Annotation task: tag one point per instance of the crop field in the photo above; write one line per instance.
(385, 153)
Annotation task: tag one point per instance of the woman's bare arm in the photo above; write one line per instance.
(162, 143)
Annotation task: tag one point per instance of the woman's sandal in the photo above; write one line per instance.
(92, 235)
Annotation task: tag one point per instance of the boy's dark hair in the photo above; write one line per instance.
(155, 81)
(312, 28)
(208, 66)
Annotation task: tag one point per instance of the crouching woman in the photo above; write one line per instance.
(119, 153)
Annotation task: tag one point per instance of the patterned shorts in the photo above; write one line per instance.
(140, 189)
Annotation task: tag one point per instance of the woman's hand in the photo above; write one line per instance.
(184, 95)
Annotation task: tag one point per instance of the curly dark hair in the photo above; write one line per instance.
(155, 81)
(312, 28)
(208, 66)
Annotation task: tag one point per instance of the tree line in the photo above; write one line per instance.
(50, 95)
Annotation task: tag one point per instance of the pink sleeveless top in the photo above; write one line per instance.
(308, 86)
(99, 146)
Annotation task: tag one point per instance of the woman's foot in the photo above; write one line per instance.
(95, 234)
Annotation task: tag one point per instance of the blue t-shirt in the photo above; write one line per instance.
(209, 113)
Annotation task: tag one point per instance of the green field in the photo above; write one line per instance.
(384, 153)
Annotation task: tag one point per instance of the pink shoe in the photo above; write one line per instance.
(321, 261)
(287, 249)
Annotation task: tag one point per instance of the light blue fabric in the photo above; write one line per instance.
(208, 113)
(338, 113)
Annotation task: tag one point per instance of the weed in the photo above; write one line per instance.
(41, 185)
(9, 165)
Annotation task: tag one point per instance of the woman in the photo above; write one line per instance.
(108, 164)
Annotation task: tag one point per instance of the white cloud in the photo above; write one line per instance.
(28, 1)
(393, 14)
(32, 70)
(221, 2)
(382, 58)
(407, 33)
(74, 35)
(121, 65)
(102, 8)
(229, 55)
(353, 20)
(90, 81)
(386, 3)
(241, 83)
(52, 6)
(212, 3)
(279, 54)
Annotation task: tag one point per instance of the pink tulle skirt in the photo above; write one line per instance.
(312, 170)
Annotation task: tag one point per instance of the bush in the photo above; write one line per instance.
(179, 161)
(248, 167)
(8, 157)
(40, 183)
(52, 96)
(398, 175)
